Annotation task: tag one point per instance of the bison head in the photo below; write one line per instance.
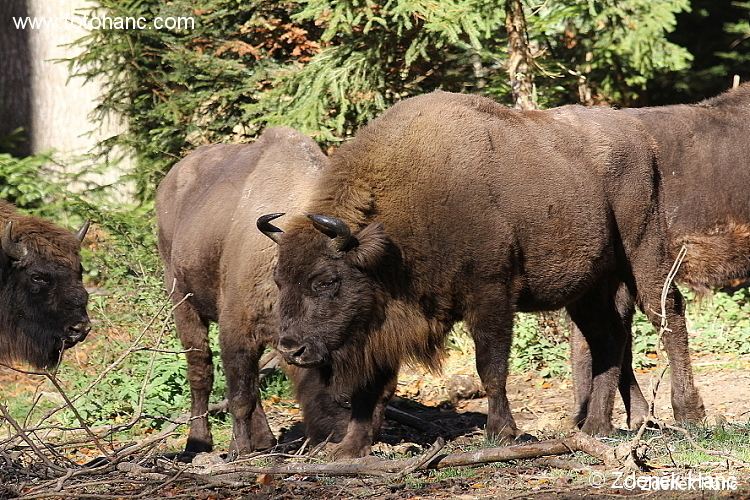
(44, 301)
(329, 289)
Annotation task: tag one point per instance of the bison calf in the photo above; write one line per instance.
(451, 207)
(44, 301)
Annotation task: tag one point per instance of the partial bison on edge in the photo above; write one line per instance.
(451, 207)
(206, 208)
(44, 299)
(704, 160)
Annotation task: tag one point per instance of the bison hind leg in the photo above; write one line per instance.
(193, 333)
(598, 320)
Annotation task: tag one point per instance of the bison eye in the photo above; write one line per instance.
(38, 279)
(323, 285)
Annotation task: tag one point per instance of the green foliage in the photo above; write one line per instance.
(716, 33)
(374, 54)
(27, 182)
(613, 46)
(326, 67)
(533, 351)
(721, 323)
(179, 89)
(718, 324)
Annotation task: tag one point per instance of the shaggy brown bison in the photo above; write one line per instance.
(451, 207)
(206, 211)
(704, 158)
(44, 301)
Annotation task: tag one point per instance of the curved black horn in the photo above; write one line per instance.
(334, 228)
(12, 249)
(81, 233)
(265, 226)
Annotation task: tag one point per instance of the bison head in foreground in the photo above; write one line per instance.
(44, 302)
(329, 291)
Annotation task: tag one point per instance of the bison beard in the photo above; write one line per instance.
(40, 282)
(452, 207)
(704, 159)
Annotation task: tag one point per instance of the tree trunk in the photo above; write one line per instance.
(520, 58)
(15, 78)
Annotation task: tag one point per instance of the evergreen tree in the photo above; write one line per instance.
(328, 66)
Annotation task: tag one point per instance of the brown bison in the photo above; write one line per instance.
(44, 301)
(451, 207)
(206, 211)
(704, 159)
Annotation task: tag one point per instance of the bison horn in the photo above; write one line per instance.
(265, 226)
(81, 233)
(12, 249)
(333, 228)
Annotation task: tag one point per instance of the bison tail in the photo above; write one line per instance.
(714, 258)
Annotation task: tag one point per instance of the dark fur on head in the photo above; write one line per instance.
(378, 305)
(45, 301)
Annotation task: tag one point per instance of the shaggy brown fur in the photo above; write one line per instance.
(462, 209)
(44, 299)
(206, 209)
(705, 166)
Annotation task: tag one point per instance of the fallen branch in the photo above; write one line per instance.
(375, 466)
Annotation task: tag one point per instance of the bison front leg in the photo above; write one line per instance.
(491, 327)
(636, 406)
(368, 412)
(193, 333)
(240, 356)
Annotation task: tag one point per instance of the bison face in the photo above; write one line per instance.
(46, 299)
(328, 289)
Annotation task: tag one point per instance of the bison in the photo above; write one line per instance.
(206, 210)
(44, 309)
(451, 207)
(705, 166)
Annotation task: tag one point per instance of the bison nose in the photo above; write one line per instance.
(291, 350)
(77, 332)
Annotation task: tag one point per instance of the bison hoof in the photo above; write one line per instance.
(263, 442)
(344, 450)
(195, 446)
(525, 438)
(595, 427)
(636, 420)
(692, 412)
(505, 436)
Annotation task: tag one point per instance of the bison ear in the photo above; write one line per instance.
(372, 245)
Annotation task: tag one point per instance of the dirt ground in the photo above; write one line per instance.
(451, 405)
(540, 407)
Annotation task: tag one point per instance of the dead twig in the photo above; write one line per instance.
(420, 461)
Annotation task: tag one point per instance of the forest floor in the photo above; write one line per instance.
(452, 406)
